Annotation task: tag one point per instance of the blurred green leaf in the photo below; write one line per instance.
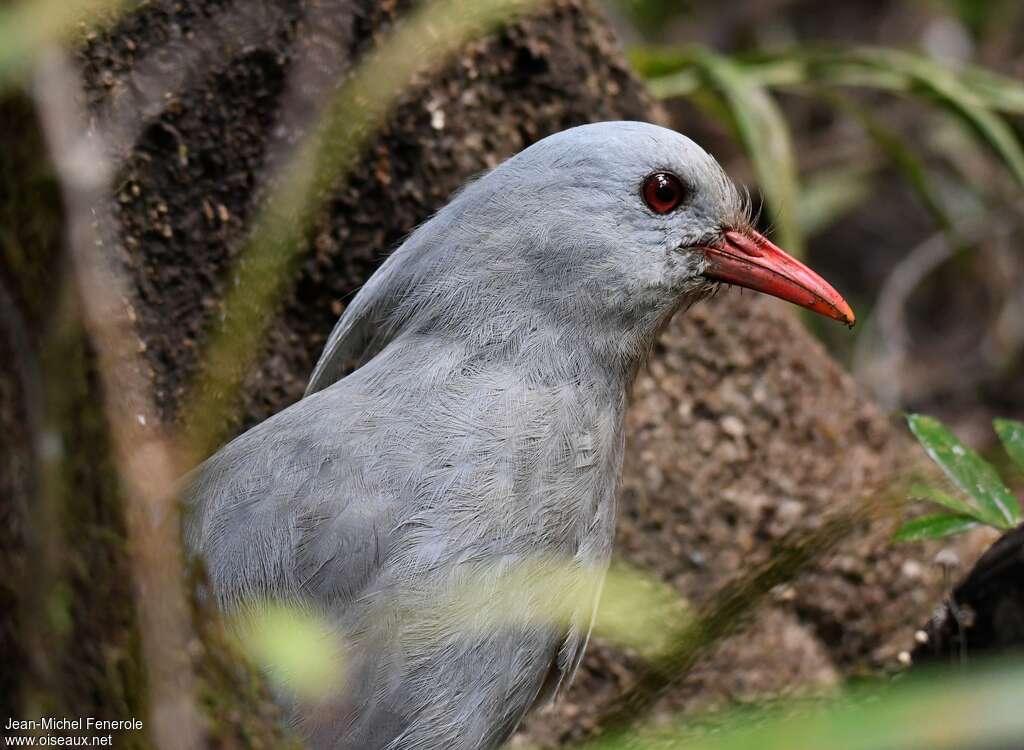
(999, 92)
(651, 61)
(298, 648)
(652, 15)
(934, 527)
(835, 65)
(832, 193)
(27, 27)
(899, 153)
(945, 710)
(1011, 433)
(968, 471)
(973, 13)
(947, 501)
(945, 87)
(762, 129)
(899, 70)
(639, 610)
(975, 95)
(869, 67)
(635, 608)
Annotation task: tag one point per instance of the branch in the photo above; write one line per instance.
(144, 458)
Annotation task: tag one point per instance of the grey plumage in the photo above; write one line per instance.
(481, 427)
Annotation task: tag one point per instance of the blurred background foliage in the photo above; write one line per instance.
(885, 141)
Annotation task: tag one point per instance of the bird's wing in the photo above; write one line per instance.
(360, 332)
(274, 508)
(373, 317)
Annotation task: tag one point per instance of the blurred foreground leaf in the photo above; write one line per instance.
(27, 27)
(300, 650)
(636, 609)
(938, 711)
(639, 610)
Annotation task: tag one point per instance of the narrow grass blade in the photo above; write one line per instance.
(968, 471)
(1001, 93)
(796, 66)
(322, 160)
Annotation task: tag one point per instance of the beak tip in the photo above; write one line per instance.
(849, 319)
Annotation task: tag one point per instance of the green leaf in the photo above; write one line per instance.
(1011, 433)
(947, 501)
(968, 471)
(798, 66)
(1000, 92)
(869, 66)
(764, 133)
(934, 527)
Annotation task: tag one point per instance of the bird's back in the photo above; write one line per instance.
(410, 503)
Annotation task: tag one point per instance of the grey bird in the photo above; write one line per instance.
(466, 419)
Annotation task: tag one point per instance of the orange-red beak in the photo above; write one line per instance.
(750, 260)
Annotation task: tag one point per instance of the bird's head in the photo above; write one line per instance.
(589, 239)
(653, 217)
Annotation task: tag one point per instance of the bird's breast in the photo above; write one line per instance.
(498, 465)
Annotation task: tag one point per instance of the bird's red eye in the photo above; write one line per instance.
(663, 192)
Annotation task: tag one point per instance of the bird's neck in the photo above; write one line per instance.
(545, 341)
(548, 311)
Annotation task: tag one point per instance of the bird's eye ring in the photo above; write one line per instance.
(663, 192)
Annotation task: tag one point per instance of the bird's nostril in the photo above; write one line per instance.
(745, 244)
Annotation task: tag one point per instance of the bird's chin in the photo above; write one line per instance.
(703, 288)
(695, 289)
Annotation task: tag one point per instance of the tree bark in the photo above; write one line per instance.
(741, 433)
